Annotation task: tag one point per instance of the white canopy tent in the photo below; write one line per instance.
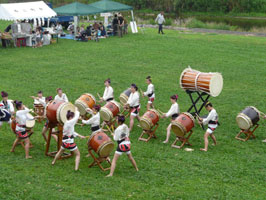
(25, 11)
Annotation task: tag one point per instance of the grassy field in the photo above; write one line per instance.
(231, 170)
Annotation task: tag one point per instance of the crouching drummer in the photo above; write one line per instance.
(173, 113)
(121, 135)
(94, 121)
(212, 121)
(68, 137)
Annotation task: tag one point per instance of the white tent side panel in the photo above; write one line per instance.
(28, 10)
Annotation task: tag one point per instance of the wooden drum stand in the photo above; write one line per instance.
(248, 133)
(98, 161)
(150, 133)
(59, 133)
(183, 140)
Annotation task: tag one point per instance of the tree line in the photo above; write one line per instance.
(225, 6)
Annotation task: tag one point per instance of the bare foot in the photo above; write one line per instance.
(109, 175)
(88, 155)
(53, 163)
(12, 150)
(264, 140)
(214, 144)
(203, 149)
(28, 157)
(165, 142)
(137, 169)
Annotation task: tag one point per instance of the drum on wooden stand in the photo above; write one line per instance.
(56, 111)
(149, 119)
(39, 109)
(30, 122)
(248, 118)
(193, 80)
(124, 96)
(110, 110)
(183, 124)
(101, 144)
(85, 101)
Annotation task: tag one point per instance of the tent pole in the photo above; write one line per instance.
(132, 15)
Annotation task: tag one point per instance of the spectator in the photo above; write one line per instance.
(39, 37)
(46, 38)
(88, 30)
(59, 28)
(160, 19)
(125, 31)
(70, 28)
(121, 25)
(95, 26)
(115, 25)
(102, 29)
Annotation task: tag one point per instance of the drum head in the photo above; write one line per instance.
(105, 114)
(30, 122)
(155, 111)
(243, 121)
(178, 129)
(216, 84)
(106, 149)
(123, 99)
(62, 111)
(81, 107)
(145, 123)
(190, 116)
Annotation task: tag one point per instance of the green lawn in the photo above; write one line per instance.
(231, 170)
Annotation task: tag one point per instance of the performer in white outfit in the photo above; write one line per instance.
(150, 93)
(134, 105)
(6, 109)
(121, 135)
(173, 113)
(94, 121)
(60, 95)
(21, 132)
(108, 94)
(39, 98)
(68, 137)
(212, 121)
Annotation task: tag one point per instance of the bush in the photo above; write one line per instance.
(152, 22)
(168, 22)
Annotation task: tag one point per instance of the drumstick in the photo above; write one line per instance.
(141, 92)
(109, 129)
(197, 117)
(263, 114)
(99, 95)
(79, 124)
(162, 113)
(87, 136)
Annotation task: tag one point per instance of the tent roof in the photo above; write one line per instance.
(77, 9)
(110, 6)
(22, 11)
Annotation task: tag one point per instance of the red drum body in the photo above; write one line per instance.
(149, 119)
(101, 144)
(110, 110)
(183, 124)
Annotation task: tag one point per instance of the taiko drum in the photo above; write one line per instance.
(101, 144)
(124, 96)
(193, 80)
(149, 119)
(183, 124)
(85, 101)
(110, 110)
(248, 118)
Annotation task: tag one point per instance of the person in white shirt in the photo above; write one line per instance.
(108, 94)
(21, 132)
(121, 135)
(60, 95)
(94, 121)
(7, 109)
(68, 137)
(38, 98)
(150, 93)
(133, 103)
(212, 121)
(160, 19)
(173, 113)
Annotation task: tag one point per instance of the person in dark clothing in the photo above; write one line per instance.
(102, 29)
(115, 25)
(8, 28)
(88, 31)
(121, 25)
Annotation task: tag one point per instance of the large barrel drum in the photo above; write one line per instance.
(248, 118)
(56, 111)
(85, 101)
(110, 110)
(183, 124)
(101, 144)
(149, 119)
(193, 80)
